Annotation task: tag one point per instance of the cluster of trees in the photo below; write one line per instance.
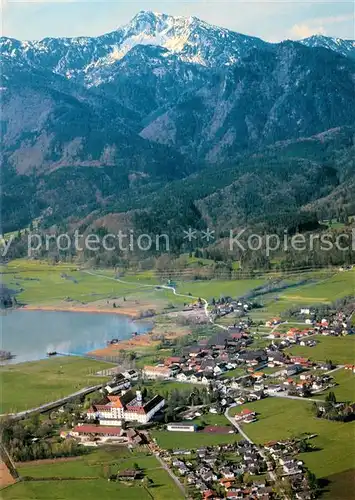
(7, 298)
(332, 410)
(33, 439)
(180, 397)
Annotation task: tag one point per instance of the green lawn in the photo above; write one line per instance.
(283, 418)
(28, 385)
(43, 283)
(164, 388)
(345, 390)
(237, 372)
(97, 465)
(192, 440)
(212, 419)
(73, 490)
(341, 350)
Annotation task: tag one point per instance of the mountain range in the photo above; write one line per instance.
(110, 124)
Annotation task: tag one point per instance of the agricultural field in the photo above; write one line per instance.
(86, 478)
(284, 418)
(339, 285)
(28, 385)
(341, 350)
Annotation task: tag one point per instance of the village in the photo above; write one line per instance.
(229, 370)
(195, 409)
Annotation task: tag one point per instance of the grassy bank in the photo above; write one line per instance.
(28, 385)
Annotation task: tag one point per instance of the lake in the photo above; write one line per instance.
(29, 335)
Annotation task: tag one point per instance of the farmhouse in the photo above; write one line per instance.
(129, 475)
(245, 415)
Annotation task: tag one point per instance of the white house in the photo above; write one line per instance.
(176, 427)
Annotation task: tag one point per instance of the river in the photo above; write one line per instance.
(29, 335)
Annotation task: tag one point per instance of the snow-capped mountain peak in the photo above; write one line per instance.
(193, 39)
(343, 47)
(92, 60)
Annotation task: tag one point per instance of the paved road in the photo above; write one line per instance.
(296, 398)
(236, 425)
(54, 404)
(334, 369)
(247, 438)
(172, 475)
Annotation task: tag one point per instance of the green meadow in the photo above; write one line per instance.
(85, 478)
(327, 290)
(341, 350)
(345, 388)
(28, 385)
(48, 286)
(217, 288)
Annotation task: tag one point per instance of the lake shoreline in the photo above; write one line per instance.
(74, 334)
(82, 309)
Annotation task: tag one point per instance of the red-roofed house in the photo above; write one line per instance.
(172, 360)
(90, 432)
(100, 430)
(234, 493)
(300, 361)
(209, 494)
(244, 414)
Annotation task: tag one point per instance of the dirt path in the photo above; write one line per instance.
(5, 477)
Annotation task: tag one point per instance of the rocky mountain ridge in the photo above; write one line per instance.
(153, 103)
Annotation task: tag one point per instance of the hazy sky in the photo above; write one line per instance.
(272, 21)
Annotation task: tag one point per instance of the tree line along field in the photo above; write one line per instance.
(85, 478)
(28, 385)
(280, 418)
